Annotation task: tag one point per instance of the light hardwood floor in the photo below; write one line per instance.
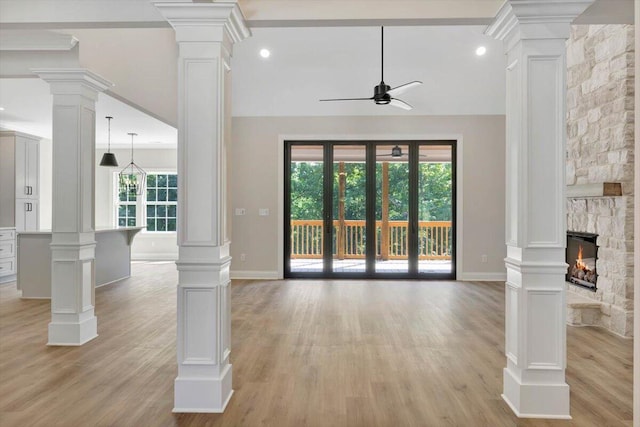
(305, 353)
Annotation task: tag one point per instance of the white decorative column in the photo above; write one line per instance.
(205, 33)
(75, 92)
(534, 34)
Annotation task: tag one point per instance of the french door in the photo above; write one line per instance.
(370, 209)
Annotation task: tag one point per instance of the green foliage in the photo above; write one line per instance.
(306, 190)
(398, 191)
(434, 192)
(355, 202)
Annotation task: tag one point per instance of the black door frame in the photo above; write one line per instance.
(369, 273)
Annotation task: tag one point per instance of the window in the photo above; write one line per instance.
(126, 208)
(156, 207)
(162, 198)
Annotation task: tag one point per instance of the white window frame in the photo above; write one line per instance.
(141, 202)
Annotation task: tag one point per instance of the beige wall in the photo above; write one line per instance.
(254, 163)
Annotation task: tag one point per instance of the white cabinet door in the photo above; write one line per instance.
(27, 168)
(32, 220)
(21, 214)
(27, 215)
(33, 168)
(22, 169)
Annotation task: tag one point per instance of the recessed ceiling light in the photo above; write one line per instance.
(1, 108)
(481, 50)
(265, 53)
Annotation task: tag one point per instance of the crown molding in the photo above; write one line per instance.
(8, 132)
(29, 40)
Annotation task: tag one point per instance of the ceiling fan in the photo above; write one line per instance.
(383, 94)
(396, 153)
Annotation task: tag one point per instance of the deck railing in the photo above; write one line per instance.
(349, 241)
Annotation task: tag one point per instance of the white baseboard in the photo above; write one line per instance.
(482, 277)
(154, 256)
(113, 281)
(256, 275)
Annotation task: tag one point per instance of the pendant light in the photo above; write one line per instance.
(132, 177)
(108, 158)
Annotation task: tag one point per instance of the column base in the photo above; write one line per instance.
(70, 334)
(203, 395)
(536, 400)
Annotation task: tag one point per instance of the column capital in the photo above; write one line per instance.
(67, 81)
(539, 19)
(202, 21)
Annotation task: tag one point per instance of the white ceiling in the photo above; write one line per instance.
(27, 107)
(307, 64)
(323, 50)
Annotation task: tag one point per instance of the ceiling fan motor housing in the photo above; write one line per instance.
(380, 94)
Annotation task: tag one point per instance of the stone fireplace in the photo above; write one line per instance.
(582, 258)
(600, 156)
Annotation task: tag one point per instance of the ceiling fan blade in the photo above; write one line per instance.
(403, 88)
(348, 99)
(400, 104)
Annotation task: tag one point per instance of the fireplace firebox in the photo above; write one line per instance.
(581, 255)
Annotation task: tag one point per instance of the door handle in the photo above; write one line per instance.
(30, 190)
(26, 190)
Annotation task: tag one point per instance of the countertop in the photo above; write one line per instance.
(98, 230)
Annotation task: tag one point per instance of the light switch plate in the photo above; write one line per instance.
(263, 212)
(240, 211)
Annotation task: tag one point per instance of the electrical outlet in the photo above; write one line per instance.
(240, 211)
(484, 259)
(243, 257)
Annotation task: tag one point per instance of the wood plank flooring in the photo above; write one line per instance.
(305, 353)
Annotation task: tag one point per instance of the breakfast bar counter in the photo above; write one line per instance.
(112, 262)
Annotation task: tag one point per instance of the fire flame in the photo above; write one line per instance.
(579, 264)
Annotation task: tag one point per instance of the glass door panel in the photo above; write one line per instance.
(435, 209)
(392, 209)
(349, 208)
(370, 209)
(306, 210)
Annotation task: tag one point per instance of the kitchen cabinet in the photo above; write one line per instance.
(19, 181)
(7, 254)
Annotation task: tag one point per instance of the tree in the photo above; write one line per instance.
(434, 191)
(306, 190)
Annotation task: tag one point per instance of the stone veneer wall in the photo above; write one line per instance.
(600, 148)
